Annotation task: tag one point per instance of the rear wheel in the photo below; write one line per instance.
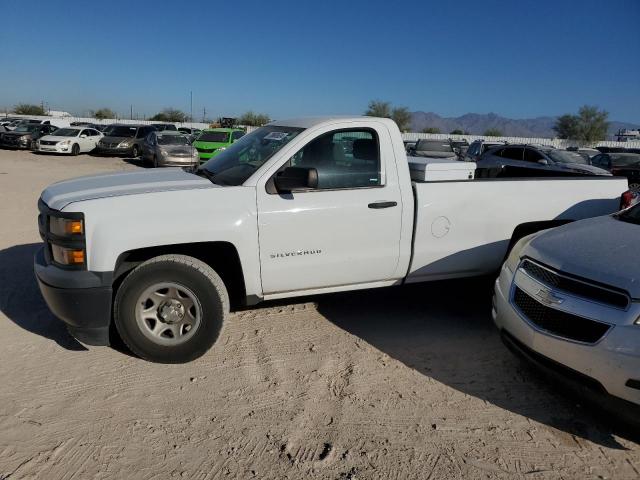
(75, 150)
(170, 309)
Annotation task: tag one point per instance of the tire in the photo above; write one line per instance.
(75, 149)
(155, 161)
(170, 309)
(135, 151)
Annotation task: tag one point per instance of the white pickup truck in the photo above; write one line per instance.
(297, 207)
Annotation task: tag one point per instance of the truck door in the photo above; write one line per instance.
(344, 232)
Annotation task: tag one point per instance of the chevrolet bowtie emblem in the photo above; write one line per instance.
(547, 297)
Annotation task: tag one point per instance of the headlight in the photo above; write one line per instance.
(163, 151)
(125, 144)
(23, 140)
(67, 256)
(514, 255)
(222, 148)
(64, 142)
(194, 152)
(64, 227)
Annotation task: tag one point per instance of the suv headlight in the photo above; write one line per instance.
(513, 260)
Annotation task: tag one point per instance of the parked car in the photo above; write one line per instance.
(460, 147)
(587, 153)
(24, 136)
(166, 253)
(4, 121)
(70, 140)
(621, 164)
(167, 149)
(433, 149)
(123, 139)
(212, 141)
(161, 127)
(528, 160)
(479, 147)
(189, 131)
(566, 299)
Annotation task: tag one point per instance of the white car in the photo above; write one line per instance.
(72, 140)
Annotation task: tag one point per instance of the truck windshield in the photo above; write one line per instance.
(218, 137)
(238, 162)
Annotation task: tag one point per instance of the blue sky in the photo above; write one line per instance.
(290, 58)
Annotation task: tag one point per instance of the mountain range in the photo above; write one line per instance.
(477, 124)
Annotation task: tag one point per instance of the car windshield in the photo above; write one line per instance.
(26, 128)
(219, 137)
(67, 132)
(237, 163)
(564, 156)
(120, 131)
(624, 159)
(172, 140)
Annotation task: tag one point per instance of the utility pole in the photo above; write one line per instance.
(204, 113)
(131, 112)
(191, 108)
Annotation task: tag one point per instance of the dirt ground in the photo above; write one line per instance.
(401, 383)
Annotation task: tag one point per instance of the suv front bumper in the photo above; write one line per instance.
(81, 299)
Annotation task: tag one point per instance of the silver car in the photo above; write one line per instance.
(569, 299)
(168, 149)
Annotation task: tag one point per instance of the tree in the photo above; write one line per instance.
(457, 131)
(28, 109)
(590, 125)
(402, 117)
(103, 113)
(431, 130)
(378, 108)
(492, 132)
(593, 124)
(252, 119)
(169, 115)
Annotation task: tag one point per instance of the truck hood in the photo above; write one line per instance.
(601, 249)
(59, 195)
(578, 167)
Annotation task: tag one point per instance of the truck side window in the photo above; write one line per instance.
(343, 159)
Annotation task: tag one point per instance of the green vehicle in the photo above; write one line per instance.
(214, 140)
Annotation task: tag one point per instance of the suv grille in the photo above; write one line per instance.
(559, 323)
(576, 287)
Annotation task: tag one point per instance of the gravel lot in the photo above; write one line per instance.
(399, 383)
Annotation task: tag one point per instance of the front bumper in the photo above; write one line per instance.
(57, 148)
(113, 151)
(171, 161)
(613, 362)
(81, 299)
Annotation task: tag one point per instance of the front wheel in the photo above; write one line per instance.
(75, 150)
(170, 309)
(135, 151)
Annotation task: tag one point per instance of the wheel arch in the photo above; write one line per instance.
(222, 256)
(528, 228)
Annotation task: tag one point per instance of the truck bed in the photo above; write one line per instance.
(463, 228)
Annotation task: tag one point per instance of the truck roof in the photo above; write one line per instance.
(308, 122)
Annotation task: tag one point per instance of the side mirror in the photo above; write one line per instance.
(296, 178)
(543, 162)
(83, 136)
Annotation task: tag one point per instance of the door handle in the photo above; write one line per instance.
(382, 204)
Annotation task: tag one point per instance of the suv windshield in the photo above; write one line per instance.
(564, 156)
(631, 215)
(120, 131)
(238, 162)
(172, 140)
(67, 132)
(219, 137)
(27, 128)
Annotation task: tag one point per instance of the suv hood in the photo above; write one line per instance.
(600, 249)
(59, 195)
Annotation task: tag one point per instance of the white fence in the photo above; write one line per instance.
(555, 142)
(62, 121)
